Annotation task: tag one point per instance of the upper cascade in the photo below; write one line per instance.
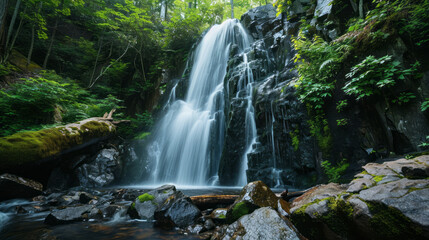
(188, 141)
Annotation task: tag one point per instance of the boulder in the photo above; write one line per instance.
(102, 171)
(68, 215)
(148, 203)
(177, 211)
(263, 223)
(254, 195)
(12, 186)
(382, 203)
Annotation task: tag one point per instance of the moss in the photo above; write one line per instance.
(142, 135)
(320, 130)
(133, 205)
(146, 197)
(240, 209)
(294, 135)
(32, 146)
(390, 223)
(222, 216)
(378, 178)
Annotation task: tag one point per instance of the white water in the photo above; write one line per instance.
(189, 139)
(250, 125)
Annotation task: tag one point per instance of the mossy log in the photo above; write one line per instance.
(32, 147)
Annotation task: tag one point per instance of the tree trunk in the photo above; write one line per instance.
(12, 23)
(96, 60)
(3, 13)
(30, 52)
(232, 9)
(361, 9)
(18, 30)
(45, 62)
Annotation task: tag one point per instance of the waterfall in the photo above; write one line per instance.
(188, 140)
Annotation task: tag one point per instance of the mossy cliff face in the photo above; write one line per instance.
(33, 146)
(386, 201)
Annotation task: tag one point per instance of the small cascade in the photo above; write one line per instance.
(188, 141)
(171, 97)
(250, 125)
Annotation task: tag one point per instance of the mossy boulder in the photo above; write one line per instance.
(33, 146)
(253, 196)
(381, 203)
(146, 204)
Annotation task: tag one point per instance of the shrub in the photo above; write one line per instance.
(335, 172)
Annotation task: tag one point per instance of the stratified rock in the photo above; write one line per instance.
(358, 184)
(68, 215)
(102, 171)
(254, 195)
(263, 223)
(12, 186)
(148, 203)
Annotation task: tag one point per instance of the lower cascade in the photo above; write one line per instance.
(188, 142)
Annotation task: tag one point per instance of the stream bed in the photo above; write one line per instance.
(23, 219)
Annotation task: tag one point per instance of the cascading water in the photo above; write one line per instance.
(188, 141)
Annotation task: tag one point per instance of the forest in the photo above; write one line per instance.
(88, 57)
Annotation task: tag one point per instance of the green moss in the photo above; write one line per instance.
(222, 216)
(320, 130)
(133, 205)
(390, 223)
(32, 146)
(238, 210)
(146, 197)
(294, 135)
(142, 135)
(378, 178)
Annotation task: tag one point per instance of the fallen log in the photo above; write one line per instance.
(213, 201)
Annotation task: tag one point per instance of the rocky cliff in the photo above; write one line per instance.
(295, 135)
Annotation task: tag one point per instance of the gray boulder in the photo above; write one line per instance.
(69, 215)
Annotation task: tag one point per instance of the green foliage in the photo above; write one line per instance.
(425, 105)
(404, 97)
(374, 74)
(30, 103)
(319, 129)
(425, 144)
(335, 172)
(341, 105)
(318, 64)
(417, 23)
(342, 122)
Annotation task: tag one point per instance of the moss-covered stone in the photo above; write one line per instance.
(146, 197)
(32, 146)
(240, 209)
(390, 223)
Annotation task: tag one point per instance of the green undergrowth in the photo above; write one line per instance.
(32, 146)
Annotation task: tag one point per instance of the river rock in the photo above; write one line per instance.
(177, 211)
(148, 203)
(12, 186)
(102, 171)
(254, 195)
(263, 223)
(68, 215)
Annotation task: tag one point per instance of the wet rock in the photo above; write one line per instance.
(148, 203)
(323, 8)
(318, 193)
(378, 170)
(95, 213)
(209, 224)
(68, 215)
(12, 186)
(396, 189)
(254, 195)
(84, 198)
(409, 168)
(177, 211)
(102, 171)
(263, 223)
(196, 229)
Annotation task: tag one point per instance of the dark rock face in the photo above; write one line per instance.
(68, 215)
(381, 203)
(102, 171)
(12, 186)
